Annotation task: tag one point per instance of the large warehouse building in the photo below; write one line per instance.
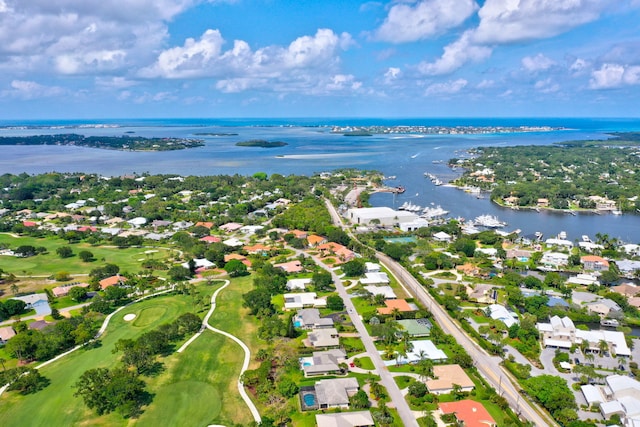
(386, 216)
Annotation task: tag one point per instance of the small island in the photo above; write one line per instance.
(126, 142)
(215, 134)
(261, 143)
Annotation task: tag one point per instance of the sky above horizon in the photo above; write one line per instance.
(325, 58)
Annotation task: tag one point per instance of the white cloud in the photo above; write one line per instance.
(514, 21)
(546, 86)
(392, 74)
(455, 55)
(578, 66)
(446, 88)
(25, 89)
(412, 21)
(305, 64)
(611, 76)
(486, 84)
(537, 63)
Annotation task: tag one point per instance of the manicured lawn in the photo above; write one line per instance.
(55, 405)
(127, 259)
(403, 381)
(366, 363)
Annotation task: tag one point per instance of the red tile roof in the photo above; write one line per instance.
(472, 413)
(113, 280)
(400, 304)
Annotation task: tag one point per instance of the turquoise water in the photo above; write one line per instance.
(313, 148)
(400, 239)
(309, 399)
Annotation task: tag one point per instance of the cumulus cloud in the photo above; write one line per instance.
(546, 86)
(412, 21)
(578, 66)
(455, 55)
(72, 37)
(446, 88)
(392, 74)
(305, 60)
(537, 63)
(514, 21)
(486, 84)
(25, 89)
(611, 76)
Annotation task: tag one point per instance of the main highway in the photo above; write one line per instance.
(488, 366)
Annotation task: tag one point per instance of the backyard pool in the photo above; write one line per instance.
(309, 399)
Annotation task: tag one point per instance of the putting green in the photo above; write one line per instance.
(149, 315)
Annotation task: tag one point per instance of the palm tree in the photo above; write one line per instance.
(15, 288)
(2, 360)
(395, 312)
(589, 357)
(603, 347)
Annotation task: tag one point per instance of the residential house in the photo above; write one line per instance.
(500, 312)
(323, 362)
(387, 291)
(594, 263)
(469, 413)
(303, 300)
(627, 289)
(298, 284)
(379, 278)
(562, 333)
(243, 259)
(251, 229)
(6, 333)
(441, 236)
(620, 396)
(298, 234)
(584, 279)
(113, 280)
(294, 266)
(422, 349)
(207, 224)
(61, 291)
(554, 259)
(372, 267)
(233, 242)
(335, 393)
(345, 419)
(211, 239)
(315, 240)
(416, 327)
(309, 318)
(258, 249)
(324, 338)
(39, 325)
(482, 293)
(342, 253)
(37, 302)
(400, 304)
(446, 376)
(604, 307)
(468, 269)
(230, 227)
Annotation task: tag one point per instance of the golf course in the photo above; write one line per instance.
(195, 387)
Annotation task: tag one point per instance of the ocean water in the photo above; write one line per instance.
(313, 148)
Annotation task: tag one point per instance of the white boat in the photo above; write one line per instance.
(489, 221)
(430, 212)
(562, 235)
(617, 212)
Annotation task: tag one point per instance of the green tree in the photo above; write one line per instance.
(77, 293)
(354, 268)
(322, 281)
(360, 400)
(334, 302)
(29, 382)
(105, 391)
(85, 256)
(64, 251)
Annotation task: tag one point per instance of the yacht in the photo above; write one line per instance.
(489, 221)
(430, 212)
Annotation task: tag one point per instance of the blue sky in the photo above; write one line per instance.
(323, 58)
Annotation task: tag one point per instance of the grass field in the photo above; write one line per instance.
(127, 259)
(196, 387)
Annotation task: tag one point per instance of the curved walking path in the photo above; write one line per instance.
(247, 352)
(105, 323)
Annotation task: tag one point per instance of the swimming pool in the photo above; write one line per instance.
(309, 399)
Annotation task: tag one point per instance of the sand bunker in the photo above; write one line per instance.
(129, 317)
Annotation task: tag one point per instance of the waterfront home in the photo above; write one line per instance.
(604, 307)
(584, 279)
(631, 249)
(628, 267)
(562, 333)
(309, 318)
(590, 246)
(559, 243)
(627, 289)
(446, 376)
(554, 259)
(594, 262)
(468, 413)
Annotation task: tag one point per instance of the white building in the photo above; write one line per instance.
(555, 259)
(298, 284)
(500, 312)
(379, 278)
(386, 216)
(303, 300)
(387, 291)
(620, 395)
(424, 347)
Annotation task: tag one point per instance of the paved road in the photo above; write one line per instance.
(405, 413)
(488, 366)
